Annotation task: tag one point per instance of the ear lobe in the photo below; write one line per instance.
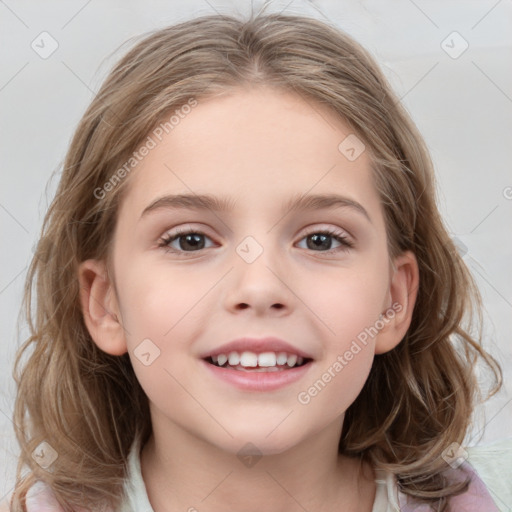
(403, 290)
(100, 308)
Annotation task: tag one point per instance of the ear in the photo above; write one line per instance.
(403, 290)
(100, 308)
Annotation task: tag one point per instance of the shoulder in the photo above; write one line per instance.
(488, 468)
(40, 498)
(492, 464)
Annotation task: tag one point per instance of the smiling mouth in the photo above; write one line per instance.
(262, 362)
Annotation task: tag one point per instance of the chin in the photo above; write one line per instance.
(257, 437)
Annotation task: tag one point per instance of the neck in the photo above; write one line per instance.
(184, 472)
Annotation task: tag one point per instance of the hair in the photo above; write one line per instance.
(89, 406)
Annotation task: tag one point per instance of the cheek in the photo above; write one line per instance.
(155, 304)
(349, 301)
(337, 381)
(350, 307)
(162, 314)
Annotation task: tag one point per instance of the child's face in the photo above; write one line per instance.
(259, 149)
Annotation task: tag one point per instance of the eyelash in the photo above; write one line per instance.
(167, 239)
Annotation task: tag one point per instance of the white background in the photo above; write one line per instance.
(463, 107)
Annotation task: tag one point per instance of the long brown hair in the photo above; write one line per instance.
(88, 405)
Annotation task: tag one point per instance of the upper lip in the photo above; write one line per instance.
(257, 345)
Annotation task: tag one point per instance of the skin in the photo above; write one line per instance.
(259, 147)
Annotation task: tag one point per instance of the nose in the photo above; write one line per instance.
(261, 285)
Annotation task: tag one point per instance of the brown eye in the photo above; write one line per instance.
(193, 241)
(321, 241)
(190, 241)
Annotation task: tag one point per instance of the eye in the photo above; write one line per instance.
(321, 241)
(193, 241)
(183, 241)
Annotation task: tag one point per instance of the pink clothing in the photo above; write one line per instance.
(475, 499)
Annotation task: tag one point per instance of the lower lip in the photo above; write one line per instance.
(258, 381)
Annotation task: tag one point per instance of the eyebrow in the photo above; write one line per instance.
(223, 204)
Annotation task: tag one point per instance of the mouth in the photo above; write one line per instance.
(258, 364)
(264, 362)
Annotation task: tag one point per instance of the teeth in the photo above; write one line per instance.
(266, 370)
(282, 357)
(248, 359)
(292, 359)
(234, 358)
(265, 361)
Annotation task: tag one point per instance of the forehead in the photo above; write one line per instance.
(259, 146)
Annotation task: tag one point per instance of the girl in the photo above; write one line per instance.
(246, 297)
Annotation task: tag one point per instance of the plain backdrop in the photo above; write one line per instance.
(449, 61)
